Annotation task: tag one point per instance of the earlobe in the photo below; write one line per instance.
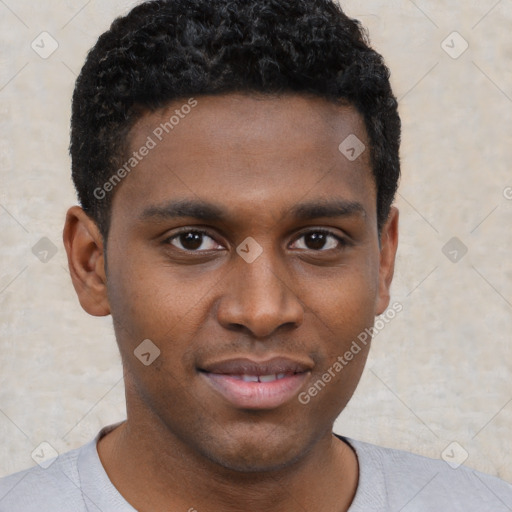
(84, 248)
(389, 244)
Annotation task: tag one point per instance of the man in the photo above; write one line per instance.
(236, 164)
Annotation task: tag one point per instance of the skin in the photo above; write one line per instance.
(256, 158)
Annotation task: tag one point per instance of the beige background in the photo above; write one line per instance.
(439, 372)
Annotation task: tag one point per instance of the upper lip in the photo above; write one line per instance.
(246, 366)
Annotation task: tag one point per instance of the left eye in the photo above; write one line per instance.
(320, 241)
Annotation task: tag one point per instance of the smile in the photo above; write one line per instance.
(246, 384)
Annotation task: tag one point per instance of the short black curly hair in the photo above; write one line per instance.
(165, 50)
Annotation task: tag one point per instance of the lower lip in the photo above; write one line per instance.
(256, 395)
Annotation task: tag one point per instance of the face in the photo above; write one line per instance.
(244, 245)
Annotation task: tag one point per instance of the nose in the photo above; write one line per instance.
(259, 299)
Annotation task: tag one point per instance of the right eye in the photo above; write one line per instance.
(191, 240)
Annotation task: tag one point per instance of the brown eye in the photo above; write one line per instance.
(192, 241)
(320, 241)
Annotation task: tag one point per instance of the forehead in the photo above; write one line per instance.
(248, 152)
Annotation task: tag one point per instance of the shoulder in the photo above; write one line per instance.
(75, 480)
(412, 482)
(55, 488)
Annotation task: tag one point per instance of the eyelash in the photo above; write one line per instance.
(343, 242)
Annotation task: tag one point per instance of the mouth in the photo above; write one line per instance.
(247, 384)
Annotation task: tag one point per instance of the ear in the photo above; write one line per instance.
(84, 247)
(388, 247)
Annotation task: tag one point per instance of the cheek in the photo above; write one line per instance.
(346, 303)
(344, 329)
(348, 335)
(150, 300)
(138, 297)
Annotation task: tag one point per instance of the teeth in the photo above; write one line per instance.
(268, 378)
(250, 378)
(260, 378)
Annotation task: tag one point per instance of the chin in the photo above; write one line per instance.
(258, 450)
(253, 462)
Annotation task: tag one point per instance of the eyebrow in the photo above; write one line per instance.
(327, 208)
(206, 211)
(184, 208)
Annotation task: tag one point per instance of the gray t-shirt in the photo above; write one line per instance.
(389, 480)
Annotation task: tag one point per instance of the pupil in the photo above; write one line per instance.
(317, 239)
(193, 240)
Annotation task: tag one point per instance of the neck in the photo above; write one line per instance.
(174, 478)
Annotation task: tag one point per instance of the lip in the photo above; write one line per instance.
(224, 377)
(244, 365)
